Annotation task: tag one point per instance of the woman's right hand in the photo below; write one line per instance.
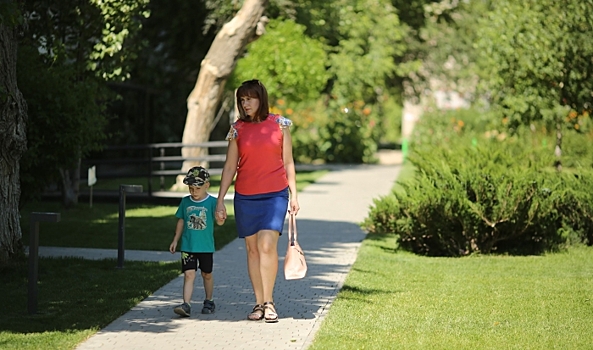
(221, 211)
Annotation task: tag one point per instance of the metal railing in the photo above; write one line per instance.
(154, 160)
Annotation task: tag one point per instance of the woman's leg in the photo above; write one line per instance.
(253, 267)
(267, 244)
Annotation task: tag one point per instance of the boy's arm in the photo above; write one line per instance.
(178, 232)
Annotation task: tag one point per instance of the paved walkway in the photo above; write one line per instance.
(329, 234)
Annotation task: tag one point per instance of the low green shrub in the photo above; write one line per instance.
(487, 197)
(334, 134)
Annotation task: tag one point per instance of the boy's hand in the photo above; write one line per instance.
(220, 212)
(172, 247)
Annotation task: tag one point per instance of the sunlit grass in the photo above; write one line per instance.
(396, 300)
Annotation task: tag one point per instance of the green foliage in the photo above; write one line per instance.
(370, 36)
(362, 39)
(480, 190)
(389, 120)
(347, 134)
(480, 199)
(444, 55)
(65, 120)
(90, 35)
(309, 119)
(10, 13)
(153, 105)
(535, 57)
(291, 65)
(348, 138)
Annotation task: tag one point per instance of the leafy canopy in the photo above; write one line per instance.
(291, 65)
(536, 56)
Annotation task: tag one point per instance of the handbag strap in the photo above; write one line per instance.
(292, 230)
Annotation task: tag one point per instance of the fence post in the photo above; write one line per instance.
(150, 161)
(34, 255)
(122, 220)
(162, 154)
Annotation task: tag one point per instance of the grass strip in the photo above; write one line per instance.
(396, 300)
(148, 227)
(76, 298)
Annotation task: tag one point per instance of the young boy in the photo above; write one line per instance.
(195, 227)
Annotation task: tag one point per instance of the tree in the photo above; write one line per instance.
(444, 56)
(65, 123)
(82, 46)
(536, 60)
(292, 65)
(371, 37)
(13, 138)
(215, 70)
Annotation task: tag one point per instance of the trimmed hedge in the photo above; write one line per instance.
(497, 195)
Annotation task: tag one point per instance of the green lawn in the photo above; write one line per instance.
(396, 300)
(76, 298)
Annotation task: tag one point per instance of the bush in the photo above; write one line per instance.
(330, 134)
(489, 197)
(349, 137)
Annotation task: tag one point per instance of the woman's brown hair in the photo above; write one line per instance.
(255, 89)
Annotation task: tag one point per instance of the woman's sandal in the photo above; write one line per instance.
(257, 313)
(271, 316)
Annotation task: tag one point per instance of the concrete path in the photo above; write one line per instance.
(329, 234)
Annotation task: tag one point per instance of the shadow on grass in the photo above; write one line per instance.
(351, 292)
(375, 239)
(76, 294)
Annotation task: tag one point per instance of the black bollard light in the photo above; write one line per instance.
(123, 189)
(34, 255)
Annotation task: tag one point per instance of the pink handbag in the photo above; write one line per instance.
(295, 266)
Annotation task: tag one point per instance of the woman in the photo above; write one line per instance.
(260, 154)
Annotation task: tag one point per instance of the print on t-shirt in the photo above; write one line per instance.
(199, 221)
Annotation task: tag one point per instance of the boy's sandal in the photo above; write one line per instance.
(257, 313)
(271, 316)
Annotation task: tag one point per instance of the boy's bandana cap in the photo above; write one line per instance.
(196, 176)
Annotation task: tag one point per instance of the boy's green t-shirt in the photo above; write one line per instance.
(198, 229)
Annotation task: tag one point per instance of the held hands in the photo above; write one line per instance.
(219, 219)
(220, 213)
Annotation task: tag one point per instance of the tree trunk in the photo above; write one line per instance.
(215, 69)
(13, 143)
(70, 185)
(558, 148)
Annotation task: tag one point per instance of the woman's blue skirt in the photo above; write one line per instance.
(257, 212)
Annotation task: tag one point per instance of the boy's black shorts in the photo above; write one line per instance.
(191, 261)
